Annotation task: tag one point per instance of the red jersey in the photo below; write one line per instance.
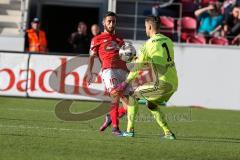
(106, 46)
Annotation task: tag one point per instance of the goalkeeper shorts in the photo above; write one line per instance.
(155, 93)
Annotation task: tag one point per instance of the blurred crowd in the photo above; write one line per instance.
(200, 21)
(219, 19)
(205, 21)
(36, 40)
(80, 40)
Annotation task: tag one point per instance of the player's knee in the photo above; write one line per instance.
(151, 105)
(113, 93)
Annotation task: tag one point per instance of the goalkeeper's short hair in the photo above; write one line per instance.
(154, 20)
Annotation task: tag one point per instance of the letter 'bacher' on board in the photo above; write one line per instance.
(39, 81)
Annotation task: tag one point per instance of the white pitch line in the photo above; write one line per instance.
(44, 128)
(209, 121)
(28, 110)
(143, 121)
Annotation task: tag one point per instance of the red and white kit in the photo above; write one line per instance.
(106, 46)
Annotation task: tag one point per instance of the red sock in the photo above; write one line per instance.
(114, 114)
(121, 112)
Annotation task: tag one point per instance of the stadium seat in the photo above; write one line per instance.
(167, 26)
(196, 39)
(188, 27)
(218, 41)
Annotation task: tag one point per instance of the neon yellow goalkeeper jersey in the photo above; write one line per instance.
(158, 51)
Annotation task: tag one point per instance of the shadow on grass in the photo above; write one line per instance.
(192, 138)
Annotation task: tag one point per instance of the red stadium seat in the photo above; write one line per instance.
(167, 26)
(188, 27)
(189, 23)
(218, 41)
(197, 39)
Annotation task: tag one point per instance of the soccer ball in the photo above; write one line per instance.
(127, 52)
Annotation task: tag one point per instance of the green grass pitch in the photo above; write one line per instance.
(29, 129)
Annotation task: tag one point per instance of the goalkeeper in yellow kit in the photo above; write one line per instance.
(158, 53)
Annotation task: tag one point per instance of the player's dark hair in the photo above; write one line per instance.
(110, 13)
(154, 20)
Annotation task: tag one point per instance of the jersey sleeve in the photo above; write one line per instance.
(139, 64)
(94, 47)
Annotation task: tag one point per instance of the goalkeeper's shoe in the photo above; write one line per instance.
(128, 134)
(116, 131)
(106, 123)
(169, 136)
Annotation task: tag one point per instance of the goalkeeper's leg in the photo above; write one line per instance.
(132, 112)
(154, 97)
(158, 115)
(160, 118)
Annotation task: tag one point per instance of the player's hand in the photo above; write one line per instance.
(89, 77)
(210, 7)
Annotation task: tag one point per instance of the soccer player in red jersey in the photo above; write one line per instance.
(114, 71)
